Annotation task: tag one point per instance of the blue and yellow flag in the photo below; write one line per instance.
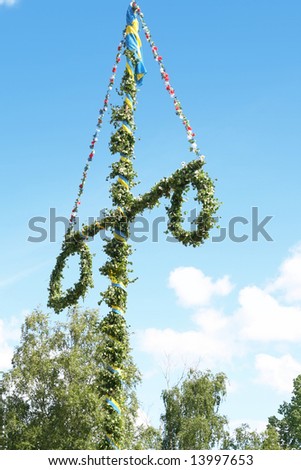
(133, 43)
(113, 403)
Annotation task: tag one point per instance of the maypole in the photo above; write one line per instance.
(114, 348)
(115, 345)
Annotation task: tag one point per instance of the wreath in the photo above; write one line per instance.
(59, 300)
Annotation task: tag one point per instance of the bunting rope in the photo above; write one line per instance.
(114, 348)
(169, 88)
(95, 137)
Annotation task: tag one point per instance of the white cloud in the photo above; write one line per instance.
(289, 280)
(217, 338)
(209, 343)
(277, 373)
(263, 318)
(211, 321)
(193, 288)
(8, 3)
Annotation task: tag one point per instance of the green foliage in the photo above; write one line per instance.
(191, 419)
(115, 349)
(125, 168)
(120, 114)
(2, 443)
(244, 438)
(116, 267)
(147, 437)
(57, 300)
(270, 439)
(175, 188)
(122, 142)
(128, 84)
(172, 419)
(51, 397)
(289, 426)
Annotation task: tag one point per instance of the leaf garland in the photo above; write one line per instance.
(115, 348)
(59, 300)
(174, 188)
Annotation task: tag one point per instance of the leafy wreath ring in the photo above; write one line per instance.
(57, 299)
(173, 188)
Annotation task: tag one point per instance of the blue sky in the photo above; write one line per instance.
(235, 66)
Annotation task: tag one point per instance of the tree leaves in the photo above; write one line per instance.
(51, 395)
(289, 426)
(191, 419)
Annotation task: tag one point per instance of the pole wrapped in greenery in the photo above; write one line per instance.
(115, 347)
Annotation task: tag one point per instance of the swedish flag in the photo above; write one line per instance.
(133, 43)
(113, 403)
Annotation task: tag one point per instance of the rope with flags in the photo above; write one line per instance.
(191, 137)
(95, 137)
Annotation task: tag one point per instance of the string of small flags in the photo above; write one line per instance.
(102, 112)
(191, 137)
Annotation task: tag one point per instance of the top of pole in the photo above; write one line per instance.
(134, 45)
